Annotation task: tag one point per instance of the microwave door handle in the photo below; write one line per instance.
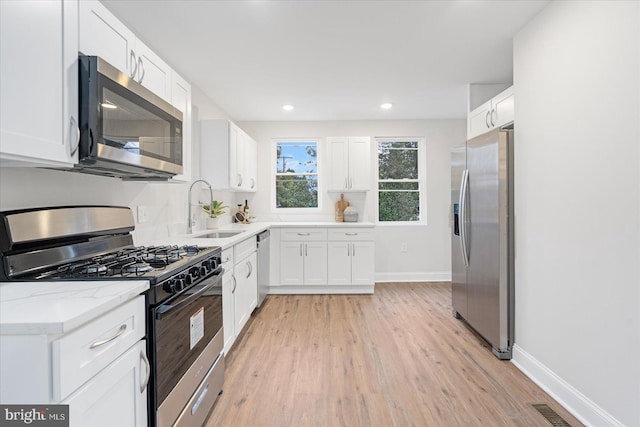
(163, 310)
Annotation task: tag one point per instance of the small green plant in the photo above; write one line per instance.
(216, 209)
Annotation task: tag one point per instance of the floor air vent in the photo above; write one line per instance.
(550, 415)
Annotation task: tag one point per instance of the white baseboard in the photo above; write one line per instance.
(434, 276)
(564, 393)
(320, 289)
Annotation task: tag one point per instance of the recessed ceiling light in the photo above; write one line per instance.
(386, 105)
(107, 105)
(288, 107)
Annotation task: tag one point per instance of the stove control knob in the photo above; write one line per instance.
(203, 270)
(194, 272)
(181, 284)
(186, 280)
(170, 286)
(213, 263)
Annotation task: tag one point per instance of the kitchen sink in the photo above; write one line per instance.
(218, 235)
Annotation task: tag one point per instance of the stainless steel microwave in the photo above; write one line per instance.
(126, 130)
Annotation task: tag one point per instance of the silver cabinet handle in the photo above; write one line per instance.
(73, 126)
(494, 112)
(353, 249)
(141, 66)
(346, 183)
(304, 234)
(350, 234)
(134, 64)
(96, 344)
(143, 357)
(253, 183)
(305, 250)
(350, 183)
(250, 267)
(235, 283)
(239, 180)
(486, 119)
(348, 249)
(300, 249)
(227, 259)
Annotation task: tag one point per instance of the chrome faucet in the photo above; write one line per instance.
(190, 223)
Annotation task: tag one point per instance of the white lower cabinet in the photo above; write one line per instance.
(351, 257)
(325, 260)
(239, 288)
(117, 396)
(100, 368)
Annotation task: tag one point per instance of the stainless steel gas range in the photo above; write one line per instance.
(184, 302)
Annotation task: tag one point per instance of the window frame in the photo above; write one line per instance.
(274, 171)
(422, 181)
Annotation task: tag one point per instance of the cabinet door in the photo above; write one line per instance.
(246, 294)
(103, 35)
(236, 158)
(338, 158)
(479, 120)
(36, 72)
(152, 72)
(228, 309)
(359, 164)
(250, 164)
(291, 265)
(181, 99)
(362, 263)
(315, 263)
(503, 108)
(117, 396)
(339, 263)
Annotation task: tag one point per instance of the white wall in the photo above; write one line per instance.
(577, 189)
(167, 203)
(428, 255)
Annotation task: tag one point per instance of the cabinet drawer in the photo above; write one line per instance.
(227, 258)
(303, 234)
(244, 249)
(81, 354)
(350, 234)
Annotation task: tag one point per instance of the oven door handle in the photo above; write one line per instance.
(163, 310)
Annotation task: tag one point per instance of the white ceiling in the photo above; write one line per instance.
(333, 60)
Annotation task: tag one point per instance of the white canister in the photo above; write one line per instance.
(350, 214)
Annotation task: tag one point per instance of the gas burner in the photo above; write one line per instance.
(136, 267)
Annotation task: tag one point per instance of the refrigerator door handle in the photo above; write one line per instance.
(464, 185)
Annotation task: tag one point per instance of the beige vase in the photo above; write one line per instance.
(212, 222)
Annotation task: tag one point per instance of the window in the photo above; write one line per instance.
(296, 174)
(401, 165)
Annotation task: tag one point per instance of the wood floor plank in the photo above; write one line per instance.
(394, 358)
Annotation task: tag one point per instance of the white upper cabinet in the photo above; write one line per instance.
(104, 35)
(228, 156)
(39, 83)
(350, 163)
(181, 99)
(494, 113)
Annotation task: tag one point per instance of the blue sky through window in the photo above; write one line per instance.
(297, 157)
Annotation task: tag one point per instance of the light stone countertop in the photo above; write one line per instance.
(39, 308)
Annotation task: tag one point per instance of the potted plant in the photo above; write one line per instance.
(213, 211)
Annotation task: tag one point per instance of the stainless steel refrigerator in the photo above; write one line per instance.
(482, 237)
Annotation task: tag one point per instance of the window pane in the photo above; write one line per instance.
(296, 191)
(412, 185)
(296, 157)
(399, 206)
(397, 164)
(398, 144)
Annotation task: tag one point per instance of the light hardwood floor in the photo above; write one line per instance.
(395, 358)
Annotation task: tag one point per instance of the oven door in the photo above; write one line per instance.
(184, 326)
(125, 129)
